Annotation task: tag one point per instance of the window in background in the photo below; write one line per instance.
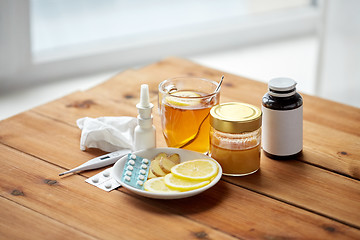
(98, 26)
(67, 38)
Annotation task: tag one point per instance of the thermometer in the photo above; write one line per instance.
(99, 162)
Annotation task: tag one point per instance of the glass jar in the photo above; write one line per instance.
(235, 137)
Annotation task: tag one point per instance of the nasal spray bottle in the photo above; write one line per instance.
(144, 133)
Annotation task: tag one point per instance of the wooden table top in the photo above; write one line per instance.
(315, 197)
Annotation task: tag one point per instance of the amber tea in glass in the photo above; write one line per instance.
(184, 105)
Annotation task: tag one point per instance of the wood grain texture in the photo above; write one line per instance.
(237, 212)
(336, 137)
(248, 215)
(34, 183)
(326, 117)
(314, 197)
(308, 187)
(324, 112)
(332, 149)
(19, 222)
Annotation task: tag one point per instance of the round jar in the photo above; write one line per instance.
(282, 109)
(235, 137)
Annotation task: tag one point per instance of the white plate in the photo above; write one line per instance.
(185, 155)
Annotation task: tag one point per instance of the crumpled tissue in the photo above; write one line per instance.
(107, 133)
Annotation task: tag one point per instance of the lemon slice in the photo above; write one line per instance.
(179, 101)
(199, 169)
(157, 185)
(181, 184)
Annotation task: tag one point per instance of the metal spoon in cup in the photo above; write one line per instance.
(217, 89)
(210, 99)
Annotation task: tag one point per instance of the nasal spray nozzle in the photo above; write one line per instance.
(144, 133)
(144, 106)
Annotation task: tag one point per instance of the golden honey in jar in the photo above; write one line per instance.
(235, 137)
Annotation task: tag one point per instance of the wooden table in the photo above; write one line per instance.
(315, 197)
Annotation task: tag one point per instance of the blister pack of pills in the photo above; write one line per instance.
(136, 171)
(104, 180)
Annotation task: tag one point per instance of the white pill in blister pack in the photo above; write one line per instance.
(104, 180)
(95, 179)
(139, 171)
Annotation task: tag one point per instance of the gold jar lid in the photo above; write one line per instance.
(235, 117)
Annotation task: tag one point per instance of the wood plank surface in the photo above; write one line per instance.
(308, 187)
(325, 137)
(34, 183)
(332, 114)
(314, 197)
(327, 115)
(74, 202)
(19, 222)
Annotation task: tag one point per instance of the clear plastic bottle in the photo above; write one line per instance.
(282, 109)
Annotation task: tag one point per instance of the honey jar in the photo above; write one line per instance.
(235, 137)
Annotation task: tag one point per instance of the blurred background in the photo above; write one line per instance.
(49, 48)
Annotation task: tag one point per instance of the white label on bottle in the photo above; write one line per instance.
(282, 131)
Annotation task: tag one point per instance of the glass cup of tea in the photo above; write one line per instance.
(184, 105)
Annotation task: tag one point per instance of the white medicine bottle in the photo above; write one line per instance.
(282, 107)
(144, 133)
